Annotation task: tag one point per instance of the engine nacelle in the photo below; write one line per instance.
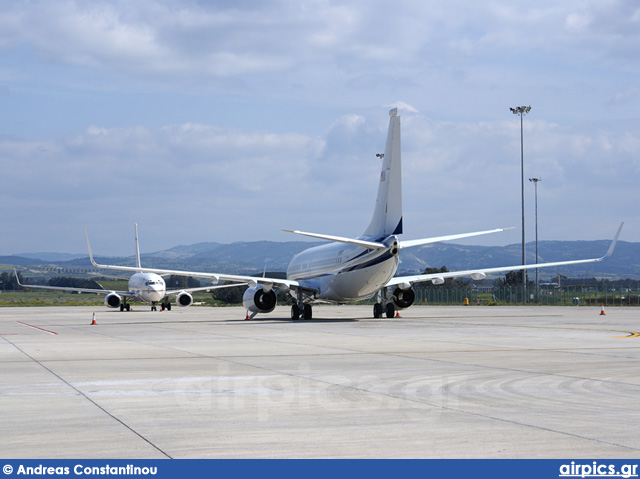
(437, 280)
(257, 300)
(112, 300)
(403, 298)
(184, 299)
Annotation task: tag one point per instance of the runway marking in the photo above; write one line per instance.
(40, 329)
(630, 334)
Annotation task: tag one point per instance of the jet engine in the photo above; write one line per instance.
(403, 298)
(258, 300)
(112, 300)
(184, 299)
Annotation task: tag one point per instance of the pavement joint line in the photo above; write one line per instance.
(71, 386)
(312, 355)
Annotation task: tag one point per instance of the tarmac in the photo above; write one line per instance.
(437, 382)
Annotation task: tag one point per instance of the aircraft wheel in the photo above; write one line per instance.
(121, 307)
(307, 312)
(295, 312)
(391, 309)
(377, 310)
(168, 306)
(128, 307)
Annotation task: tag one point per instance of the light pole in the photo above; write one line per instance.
(535, 184)
(522, 111)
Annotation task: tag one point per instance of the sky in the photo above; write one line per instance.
(229, 121)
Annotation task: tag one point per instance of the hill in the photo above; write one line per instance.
(252, 257)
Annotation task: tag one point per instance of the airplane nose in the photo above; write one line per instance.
(154, 294)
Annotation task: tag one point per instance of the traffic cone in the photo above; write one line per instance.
(602, 309)
(247, 316)
(93, 321)
(398, 314)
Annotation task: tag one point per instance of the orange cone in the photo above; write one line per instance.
(398, 314)
(602, 309)
(247, 316)
(93, 321)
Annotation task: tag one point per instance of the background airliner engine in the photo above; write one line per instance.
(257, 300)
(112, 300)
(184, 299)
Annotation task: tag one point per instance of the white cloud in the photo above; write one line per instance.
(267, 114)
(457, 177)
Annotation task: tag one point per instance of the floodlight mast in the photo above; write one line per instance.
(535, 183)
(522, 111)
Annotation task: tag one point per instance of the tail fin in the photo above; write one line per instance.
(138, 263)
(387, 216)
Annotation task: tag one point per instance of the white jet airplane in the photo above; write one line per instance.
(348, 269)
(143, 286)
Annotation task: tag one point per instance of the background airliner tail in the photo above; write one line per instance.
(387, 216)
(138, 262)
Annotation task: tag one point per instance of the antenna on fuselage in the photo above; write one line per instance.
(138, 263)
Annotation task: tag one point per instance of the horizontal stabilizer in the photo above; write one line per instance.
(340, 239)
(437, 239)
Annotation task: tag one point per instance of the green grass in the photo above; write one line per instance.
(46, 298)
(60, 298)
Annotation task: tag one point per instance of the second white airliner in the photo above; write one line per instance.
(143, 285)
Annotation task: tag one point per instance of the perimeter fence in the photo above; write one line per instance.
(566, 295)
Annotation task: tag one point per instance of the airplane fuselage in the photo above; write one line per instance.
(341, 272)
(148, 287)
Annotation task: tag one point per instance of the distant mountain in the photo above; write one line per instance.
(52, 257)
(253, 257)
(184, 251)
(14, 260)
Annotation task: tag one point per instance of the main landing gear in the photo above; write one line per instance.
(379, 309)
(385, 305)
(165, 305)
(302, 311)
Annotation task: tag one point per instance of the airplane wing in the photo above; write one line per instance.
(79, 290)
(214, 277)
(203, 288)
(478, 274)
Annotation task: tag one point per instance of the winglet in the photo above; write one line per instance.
(138, 263)
(613, 242)
(93, 262)
(17, 277)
